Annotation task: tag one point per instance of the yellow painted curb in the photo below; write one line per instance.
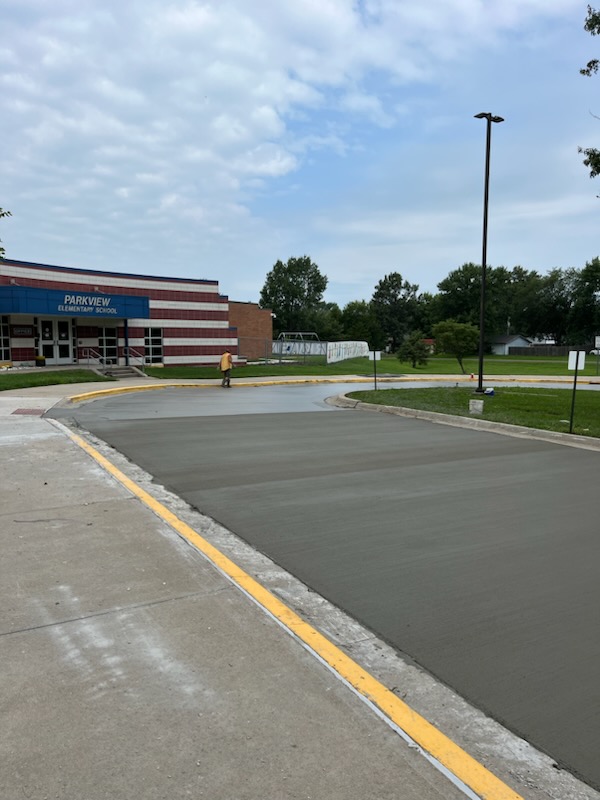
(463, 766)
(97, 393)
(116, 390)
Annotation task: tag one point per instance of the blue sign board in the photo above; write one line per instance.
(54, 302)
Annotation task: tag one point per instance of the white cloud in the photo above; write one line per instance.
(265, 160)
(271, 125)
(367, 105)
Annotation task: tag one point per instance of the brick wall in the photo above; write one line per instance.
(254, 328)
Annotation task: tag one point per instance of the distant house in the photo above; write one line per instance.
(501, 344)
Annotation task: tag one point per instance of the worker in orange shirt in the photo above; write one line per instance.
(226, 365)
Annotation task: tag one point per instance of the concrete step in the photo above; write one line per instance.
(123, 372)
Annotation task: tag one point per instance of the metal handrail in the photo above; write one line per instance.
(130, 352)
(89, 353)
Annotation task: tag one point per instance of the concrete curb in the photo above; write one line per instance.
(503, 428)
(91, 395)
(216, 385)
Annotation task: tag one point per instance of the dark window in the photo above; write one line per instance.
(153, 343)
(107, 345)
(4, 339)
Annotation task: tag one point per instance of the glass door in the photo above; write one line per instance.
(56, 341)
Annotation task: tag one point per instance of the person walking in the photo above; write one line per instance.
(226, 365)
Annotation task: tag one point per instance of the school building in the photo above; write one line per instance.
(77, 316)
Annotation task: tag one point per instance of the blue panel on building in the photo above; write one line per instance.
(53, 303)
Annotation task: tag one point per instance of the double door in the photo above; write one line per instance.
(56, 341)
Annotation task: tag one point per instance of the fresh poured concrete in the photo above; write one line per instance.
(474, 554)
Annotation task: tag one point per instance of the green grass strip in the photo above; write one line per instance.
(13, 379)
(544, 409)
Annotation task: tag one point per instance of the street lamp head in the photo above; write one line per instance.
(489, 116)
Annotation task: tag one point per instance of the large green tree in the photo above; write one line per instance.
(592, 154)
(3, 213)
(525, 287)
(326, 321)
(511, 297)
(551, 312)
(424, 313)
(360, 324)
(459, 298)
(584, 319)
(395, 304)
(293, 291)
(459, 294)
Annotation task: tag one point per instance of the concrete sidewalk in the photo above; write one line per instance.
(134, 668)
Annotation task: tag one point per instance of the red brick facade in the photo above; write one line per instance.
(255, 329)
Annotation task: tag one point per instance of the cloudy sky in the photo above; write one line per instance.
(210, 138)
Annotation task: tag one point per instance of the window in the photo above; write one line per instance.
(153, 342)
(107, 345)
(4, 339)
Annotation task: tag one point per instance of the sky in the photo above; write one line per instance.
(208, 140)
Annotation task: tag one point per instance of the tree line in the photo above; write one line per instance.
(562, 306)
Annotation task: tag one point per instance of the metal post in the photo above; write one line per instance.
(375, 368)
(574, 393)
(488, 142)
(126, 338)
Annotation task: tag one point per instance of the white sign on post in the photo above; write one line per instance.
(375, 355)
(574, 363)
(597, 342)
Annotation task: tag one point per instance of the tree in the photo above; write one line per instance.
(424, 313)
(559, 305)
(525, 287)
(584, 319)
(414, 349)
(460, 298)
(360, 324)
(394, 303)
(292, 291)
(592, 154)
(326, 321)
(459, 295)
(3, 213)
(458, 339)
(549, 315)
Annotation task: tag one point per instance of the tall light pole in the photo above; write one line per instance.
(490, 118)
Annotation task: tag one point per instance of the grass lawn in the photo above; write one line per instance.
(24, 380)
(546, 409)
(389, 365)
(305, 366)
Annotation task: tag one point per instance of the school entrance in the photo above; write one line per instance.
(56, 341)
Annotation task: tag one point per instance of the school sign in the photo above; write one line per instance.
(52, 302)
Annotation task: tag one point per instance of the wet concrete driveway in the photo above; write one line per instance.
(476, 555)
